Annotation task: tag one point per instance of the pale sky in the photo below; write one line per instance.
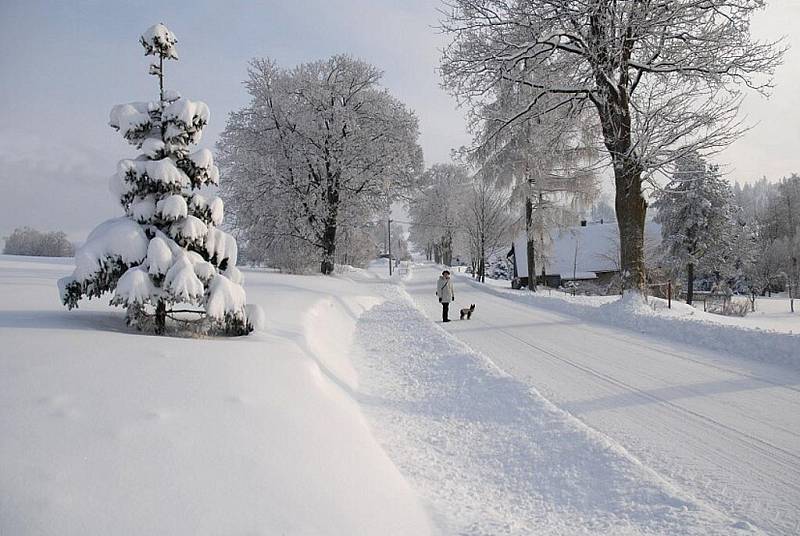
(65, 64)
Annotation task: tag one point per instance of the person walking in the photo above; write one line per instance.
(444, 291)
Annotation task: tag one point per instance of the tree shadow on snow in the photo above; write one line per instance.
(65, 320)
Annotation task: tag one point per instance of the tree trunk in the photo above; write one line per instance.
(631, 209)
(161, 317)
(690, 283)
(530, 245)
(328, 248)
(329, 234)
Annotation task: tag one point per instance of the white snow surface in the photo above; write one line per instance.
(135, 286)
(202, 158)
(756, 339)
(107, 431)
(224, 296)
(172, 207)
(221, 244)
(350, 412)
(152, 147)
(118, 237)
(217, 211)
(182, 282)
(143, 209)
(159, 256)
(190, 228)
(130, 116)
(720, 425)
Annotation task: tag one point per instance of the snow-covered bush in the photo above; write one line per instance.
(27, 241)
(166, 257)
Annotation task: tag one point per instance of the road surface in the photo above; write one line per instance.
(723, 429)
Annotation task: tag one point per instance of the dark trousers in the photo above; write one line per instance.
(445, 310)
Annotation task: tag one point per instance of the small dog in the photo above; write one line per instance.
(467, 311)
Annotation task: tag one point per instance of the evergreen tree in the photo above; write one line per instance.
(695, 214)
(167, 249)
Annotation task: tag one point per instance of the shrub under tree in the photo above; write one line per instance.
(166, 256)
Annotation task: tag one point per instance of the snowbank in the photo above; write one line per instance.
(105, 431)
(682, 323)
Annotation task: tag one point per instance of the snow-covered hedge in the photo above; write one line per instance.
(27, 241)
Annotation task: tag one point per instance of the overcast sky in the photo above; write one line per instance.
(64, 65)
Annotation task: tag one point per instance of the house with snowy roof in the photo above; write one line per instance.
(588, 252)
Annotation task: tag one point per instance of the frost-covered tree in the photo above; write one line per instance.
(437, 212)
(487, 221)
(167, 254)
(317, 148)
(27, 241)
(657, 77)
(695, 214)
(545, 162)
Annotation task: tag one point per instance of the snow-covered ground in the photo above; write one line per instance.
(724, 428)
(772, 313)
(769, 335)
(353, 413)
(104, 431)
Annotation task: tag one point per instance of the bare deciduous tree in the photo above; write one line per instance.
(437, 211)
(487, 223)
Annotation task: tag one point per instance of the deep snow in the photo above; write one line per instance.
(352, 413)
(105, 431)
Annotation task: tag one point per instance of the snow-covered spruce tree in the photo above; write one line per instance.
(166, 255)
(695, 213)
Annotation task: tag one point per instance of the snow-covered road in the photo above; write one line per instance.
(725, 430)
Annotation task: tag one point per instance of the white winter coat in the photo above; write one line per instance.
(444, 290)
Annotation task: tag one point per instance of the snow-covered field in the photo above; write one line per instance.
(104, 431)
(353, 413)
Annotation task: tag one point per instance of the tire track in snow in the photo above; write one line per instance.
(784, 457)
(724, 468)
(494, 457)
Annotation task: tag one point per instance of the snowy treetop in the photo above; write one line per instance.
(158, 40)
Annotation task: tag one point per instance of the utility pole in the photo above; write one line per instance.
(389, 241)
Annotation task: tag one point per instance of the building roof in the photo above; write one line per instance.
(590, 249)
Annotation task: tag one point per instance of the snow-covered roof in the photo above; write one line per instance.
(593, 248)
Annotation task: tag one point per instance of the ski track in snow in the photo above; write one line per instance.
(490, 455)
(723, 429)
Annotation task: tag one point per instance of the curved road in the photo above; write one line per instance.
(724, 429)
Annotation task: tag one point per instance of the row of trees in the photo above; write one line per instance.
(556, 91)
(746, 237)
(459, 216)
(27, 241)
(545, 80)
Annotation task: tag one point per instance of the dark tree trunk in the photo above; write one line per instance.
(161, 317)
(530, 245)
(631, 210)
(483, 260)
(612, 101)
(328, 249)
(690, 283)
(329, 234)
